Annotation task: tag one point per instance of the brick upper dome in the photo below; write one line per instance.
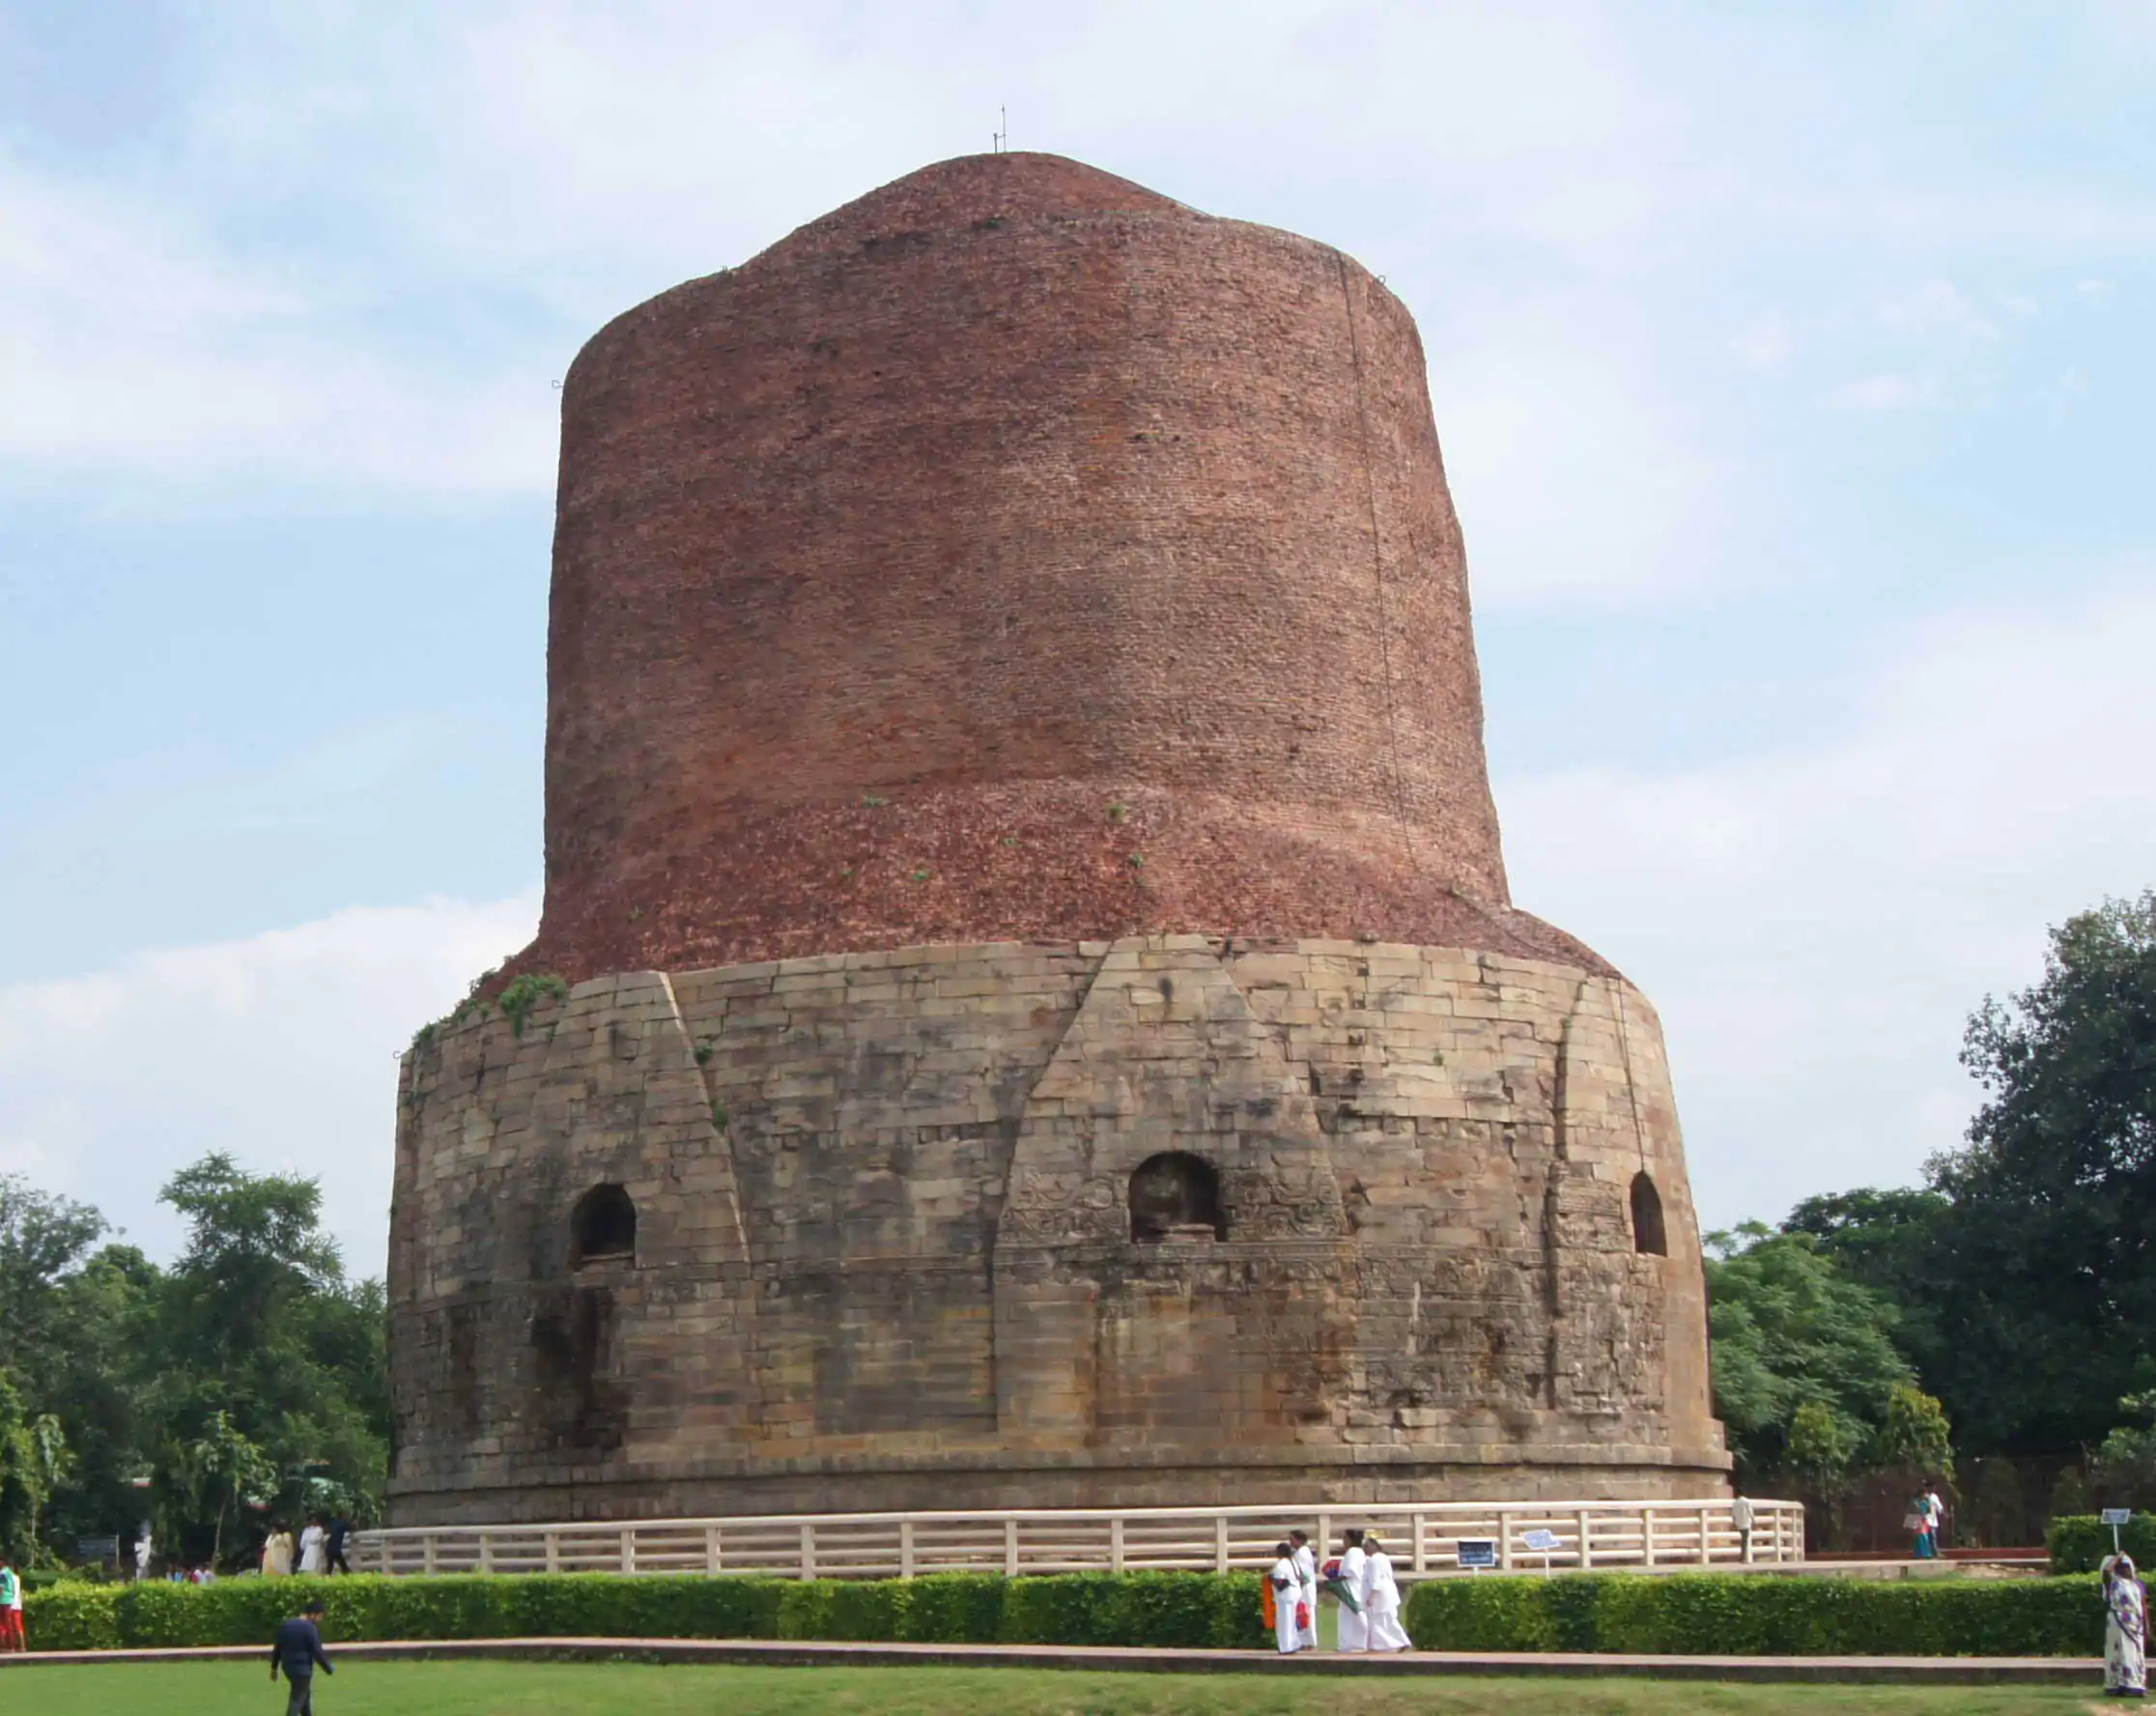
(1011, 554)
(956, 194)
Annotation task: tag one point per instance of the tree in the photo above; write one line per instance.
(250, 1370)
(2045, 1277)
(44, 1239)
(2124, 1468)
(1790, 1333)
(267, 1341)
(1820, 1447)
(1915, 1435)
(217, 1475)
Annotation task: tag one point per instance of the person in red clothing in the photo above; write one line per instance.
(10, 1608)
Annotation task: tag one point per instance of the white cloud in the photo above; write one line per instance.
(1882, 393)
(1576, 481)
(1815, 927)
(280, 1049)
(129, 344)
(1764, 345)
(1935, 310)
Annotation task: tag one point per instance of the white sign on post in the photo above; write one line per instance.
(1543, 1543)
(2116, 1516)
(1477, 1553)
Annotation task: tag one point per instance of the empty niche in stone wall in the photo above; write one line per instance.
(1175, 1196)
(602, 1225)
(1648, 1232)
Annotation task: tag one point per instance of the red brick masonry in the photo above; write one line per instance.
(1012, 554)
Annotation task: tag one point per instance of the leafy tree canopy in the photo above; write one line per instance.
(241, 1380)
(2046, 1272)
(1791, 1332)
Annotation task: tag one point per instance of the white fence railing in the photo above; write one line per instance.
(1421, 1537)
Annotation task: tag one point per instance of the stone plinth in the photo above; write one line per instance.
(883, 1252)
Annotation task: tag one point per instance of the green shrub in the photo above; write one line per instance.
(955, 1609)
(1138, 1609)
(70, 1617)
(1684, 1614)
(1739, 1615)
(2079, 1542)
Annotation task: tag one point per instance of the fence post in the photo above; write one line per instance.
(1586, 1537)
(1010, 1548)
(1647, 1537)
(1115, 1544)
(1422, 1564)
(486, 1551)
(808, 1550)
(1706, 1535)
(711, 1550)
(905, 1549)
(1504, 1539)
(428, 1558)
(1220, 1543)
(628, 1549)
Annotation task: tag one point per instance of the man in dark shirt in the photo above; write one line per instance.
(297, 1651)
(340, 1528)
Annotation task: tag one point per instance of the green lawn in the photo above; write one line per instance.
(599, 1689)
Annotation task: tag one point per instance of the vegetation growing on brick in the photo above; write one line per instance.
(520, 994)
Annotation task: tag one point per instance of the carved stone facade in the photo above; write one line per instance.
(884, 1253)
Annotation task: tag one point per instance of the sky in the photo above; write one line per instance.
(1791, 366)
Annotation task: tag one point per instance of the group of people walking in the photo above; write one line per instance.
(321, 1548)
(1360, 1577)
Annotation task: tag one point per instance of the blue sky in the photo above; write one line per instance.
(1790, 365)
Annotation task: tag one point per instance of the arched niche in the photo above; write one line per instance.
(603, 1226)
(1175, 1196)
(1649, 1234)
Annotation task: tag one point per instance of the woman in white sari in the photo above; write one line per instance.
(1380, 1598)
(1284, 1583)
(1354, 1628)
(2125, 1630)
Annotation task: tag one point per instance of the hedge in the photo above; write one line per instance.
(1131, 1609)
(2079, 1542)
(1683, 1614)
(1756, 1615)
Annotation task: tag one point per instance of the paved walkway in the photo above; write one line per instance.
(1930, 1671)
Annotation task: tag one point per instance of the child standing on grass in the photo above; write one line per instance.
(297, 1651)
